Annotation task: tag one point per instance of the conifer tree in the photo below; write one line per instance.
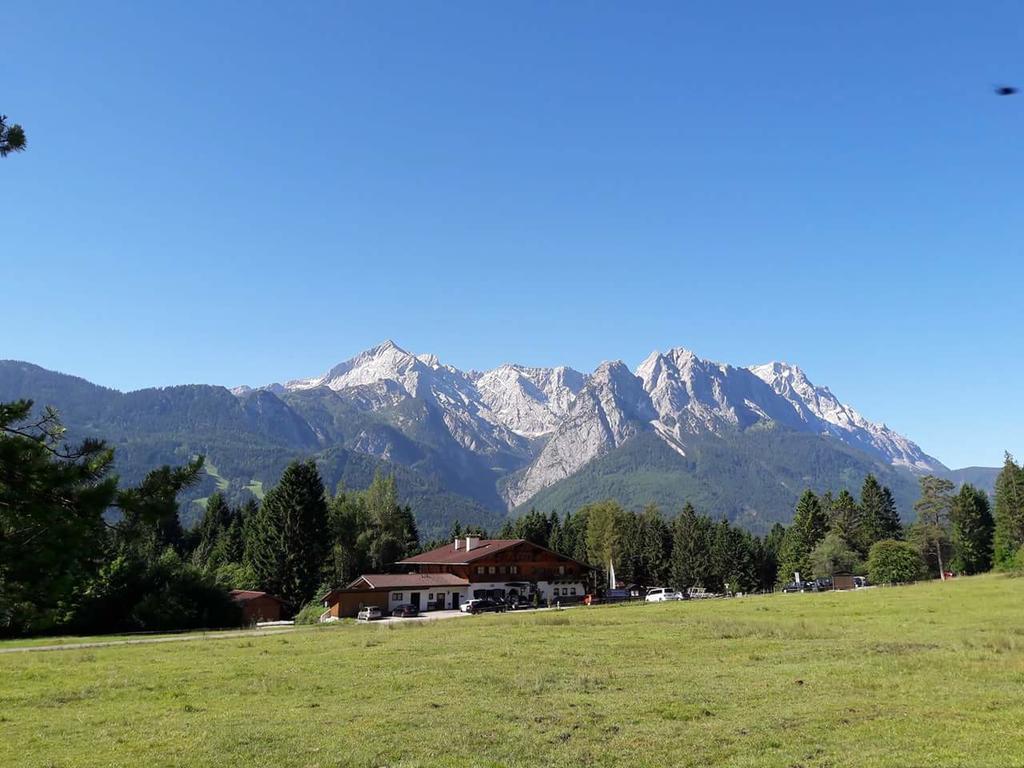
(288, 544)
(212, 527)
(650, 547)
(12, 137)
(740, 569)
(388, 529)
(573, 537)
(972, 530)
(1009, 512)
(554, 530)
(722, 556)
(846, 520)
(533, 526)
(52, 500)
(691, 549)
(891, 524)
(810, 524)
(880, 517)
(346, 516)
(933, 509)
(768, 551)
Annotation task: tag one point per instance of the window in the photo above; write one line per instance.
(480, 569)
(430, 596)
(513, 569)
(396, 596)
(572, 590)
(561, 570)
(501, 569)
(490, 569)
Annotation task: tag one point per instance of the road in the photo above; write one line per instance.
(147, 640)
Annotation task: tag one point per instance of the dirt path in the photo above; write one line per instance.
(147, 640)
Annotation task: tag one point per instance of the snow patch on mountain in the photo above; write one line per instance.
(530, 401)
(695, 395)
(550, 422)
(609, 410)
(467, 418)
(819, 408)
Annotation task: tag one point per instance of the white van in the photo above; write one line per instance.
(662, 594)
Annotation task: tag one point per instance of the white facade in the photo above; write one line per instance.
(453, 597)
(548, 590)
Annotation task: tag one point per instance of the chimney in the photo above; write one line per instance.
(457, 544)
(472, 542)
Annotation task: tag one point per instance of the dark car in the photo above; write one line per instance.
(406, 611)
(518, 602)
(824, 584)
(793, 586)
(487, 605)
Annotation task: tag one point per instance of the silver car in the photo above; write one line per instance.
(663, 594)
(369, 613)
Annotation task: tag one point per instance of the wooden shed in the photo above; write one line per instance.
(843, 581)
(257, 606)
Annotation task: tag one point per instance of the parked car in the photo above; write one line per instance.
(518, 602)
(467, 607)
(370, 613)
(406, 611)
(793, 586)
(486, 605)
(663, 594)
(859, 582)
(824, 584)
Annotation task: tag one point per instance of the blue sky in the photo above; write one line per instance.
(248, 192)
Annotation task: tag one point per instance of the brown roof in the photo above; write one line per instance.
(449, 555)
(245, 595)
(410, 580)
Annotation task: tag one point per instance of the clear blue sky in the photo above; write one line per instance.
(248, 192)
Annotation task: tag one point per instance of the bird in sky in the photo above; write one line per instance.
(1006, 90)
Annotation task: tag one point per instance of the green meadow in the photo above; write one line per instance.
(924, 675)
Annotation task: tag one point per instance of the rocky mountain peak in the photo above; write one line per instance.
(824, 412)
(557, 419)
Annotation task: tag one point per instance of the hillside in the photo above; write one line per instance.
(887, 678)
(744, 477)
(249, 441)
(739, 442)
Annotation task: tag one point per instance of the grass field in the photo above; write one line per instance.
(929, 675)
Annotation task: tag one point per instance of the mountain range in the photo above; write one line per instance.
(468, 445)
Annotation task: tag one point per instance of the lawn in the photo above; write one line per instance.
(928, 675)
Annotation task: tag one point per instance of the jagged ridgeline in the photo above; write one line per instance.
(738, 442)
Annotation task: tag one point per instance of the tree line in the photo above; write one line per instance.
(300, 541)
(647, 549)
(954, 530)
(79, 552)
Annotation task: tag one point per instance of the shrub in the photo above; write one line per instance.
(132, 593)
(236, 576)
(894, 562)
(833, 556)
(1016, 566)
(310, 613)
